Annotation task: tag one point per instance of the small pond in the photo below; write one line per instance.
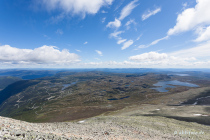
(67, 85)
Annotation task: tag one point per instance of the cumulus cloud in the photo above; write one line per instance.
(151, 56)
(127, 44)
(110, 64)
(76, 7)
(196, 19)
(99, 52)
(197, 56)
(166, 63)
(192, 18)
(203, 34)
(85, 43)
(155, 59)
(149, 13)
(188, 58)
(114, 24)
(41, 55)
(128, 9)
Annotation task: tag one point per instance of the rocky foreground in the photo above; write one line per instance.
(117, 127)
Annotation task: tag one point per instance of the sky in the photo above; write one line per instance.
(104, 34)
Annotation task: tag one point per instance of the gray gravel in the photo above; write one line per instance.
(102, 128)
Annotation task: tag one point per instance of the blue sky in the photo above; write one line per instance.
(104, 34)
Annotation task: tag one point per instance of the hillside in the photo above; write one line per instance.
(15, 88)
(7, 80)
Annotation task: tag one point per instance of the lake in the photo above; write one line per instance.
(162, 85)
(67, 85)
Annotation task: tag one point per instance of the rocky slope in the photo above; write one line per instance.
(123, 124)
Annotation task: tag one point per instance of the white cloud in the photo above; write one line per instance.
(196, 19)
(149, 13)
(201, 51)
(192, 18)
(124, 13)
(59, 31)
(141, 47)
(41, 55)
(128, 9)
(103, 12)
(103, 19)
(196, 57)
(163, 60)
(204, 35)
(85, 43)
(127, 44)
(128, 23)
(108, 64)
(77, 50)
(114, 24)
(99, 52)
(170, 62)
(152, 43)
(158, 40)
(184, 5)
(116, 33)
(120, 41)
(139, 37)
(117, 23)
(76, 7)
(151, 56)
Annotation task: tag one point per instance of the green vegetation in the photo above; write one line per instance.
(7, 80)
(72, 96)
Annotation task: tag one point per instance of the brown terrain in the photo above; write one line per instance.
(109, 107)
